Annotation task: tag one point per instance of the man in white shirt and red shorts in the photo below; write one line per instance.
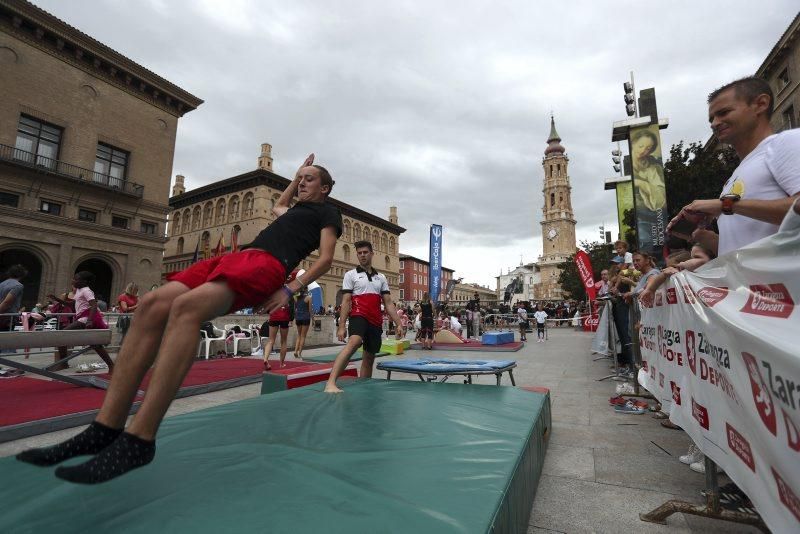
(364, 289)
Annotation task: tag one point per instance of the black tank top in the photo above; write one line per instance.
(427, 310)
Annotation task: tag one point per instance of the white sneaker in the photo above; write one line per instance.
(84, 368)
(692, 456)
(257, 352)
(699, 466)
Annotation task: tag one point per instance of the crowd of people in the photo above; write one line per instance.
(759, 199)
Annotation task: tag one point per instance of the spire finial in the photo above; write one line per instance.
(554, 141)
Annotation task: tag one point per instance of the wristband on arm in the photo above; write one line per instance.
(289, 292)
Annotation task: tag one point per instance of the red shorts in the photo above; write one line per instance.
(252, 274)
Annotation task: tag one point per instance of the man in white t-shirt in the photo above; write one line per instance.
(541, 320)
(522, 319)
(763, 187)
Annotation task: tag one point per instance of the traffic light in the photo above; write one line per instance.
(616, 157)
(630, 100)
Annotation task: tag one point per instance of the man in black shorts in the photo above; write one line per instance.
(363, 290)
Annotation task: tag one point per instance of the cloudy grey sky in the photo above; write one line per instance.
(439, 107)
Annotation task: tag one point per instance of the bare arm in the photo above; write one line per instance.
(344, 313)
(282, 205)
(7, 302)
(317, 269)
(391, 309)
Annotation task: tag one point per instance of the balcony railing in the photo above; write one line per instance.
(48, 165)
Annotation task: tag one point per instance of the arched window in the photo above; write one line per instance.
(346, 253)
(233, 208)
(388, 263)
(196, 218)
(346, 231)
(376, 239)
(180, 246)
(391, 244)
(208, 210)
(220, 213)
(356, 232)
(187, 216)
(385, 242)
(248, 205)
(176, 223)
(552, 199)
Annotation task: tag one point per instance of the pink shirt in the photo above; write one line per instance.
(83, 296)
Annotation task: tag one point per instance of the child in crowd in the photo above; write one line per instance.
(677, 261)
(541, 322)
(621, 247)
(86, 316)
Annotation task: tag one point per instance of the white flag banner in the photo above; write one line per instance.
(721, 351)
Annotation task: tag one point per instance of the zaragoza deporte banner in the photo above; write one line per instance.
(721, 351)
(649, 192)
(435, 262)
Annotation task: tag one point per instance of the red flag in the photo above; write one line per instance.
(234, 240)
(220, 250)
(584, 265)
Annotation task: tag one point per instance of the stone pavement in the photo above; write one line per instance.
(602, 468)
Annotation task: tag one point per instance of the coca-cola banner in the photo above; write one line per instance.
(721, 350)
(584, 265)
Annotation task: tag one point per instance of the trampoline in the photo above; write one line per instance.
(376, 458)
(330, 358)
(433, 368)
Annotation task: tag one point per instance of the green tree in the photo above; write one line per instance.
(629, 220)
(692, 173)
(599, 253)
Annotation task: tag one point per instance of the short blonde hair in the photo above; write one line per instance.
(132, 289)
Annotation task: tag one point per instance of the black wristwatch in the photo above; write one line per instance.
(727, 203)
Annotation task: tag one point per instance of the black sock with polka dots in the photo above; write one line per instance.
(126, 453)
(92, 440)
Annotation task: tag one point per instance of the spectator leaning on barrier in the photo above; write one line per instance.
(11, 295)
(763, 187)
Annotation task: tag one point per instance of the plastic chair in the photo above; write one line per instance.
(205, 341)
(248, 337)
(255, 332)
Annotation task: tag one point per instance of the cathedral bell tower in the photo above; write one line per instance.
(558, 223)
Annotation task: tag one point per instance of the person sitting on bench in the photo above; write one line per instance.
(86, 316)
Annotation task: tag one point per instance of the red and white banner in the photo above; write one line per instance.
(584, 265)
(721, 350)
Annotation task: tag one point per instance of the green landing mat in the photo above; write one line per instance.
(329, 358)
(384, 456)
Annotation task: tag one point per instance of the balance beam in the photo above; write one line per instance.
(55, 338)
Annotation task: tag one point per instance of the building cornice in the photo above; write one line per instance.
(262, 177)
(37, 27)
(781, 47)
(56, 224)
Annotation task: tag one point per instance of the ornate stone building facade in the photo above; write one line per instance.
(464, 292)
(87, 139)
(558, 223)
(520, 283)
(241, 206)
